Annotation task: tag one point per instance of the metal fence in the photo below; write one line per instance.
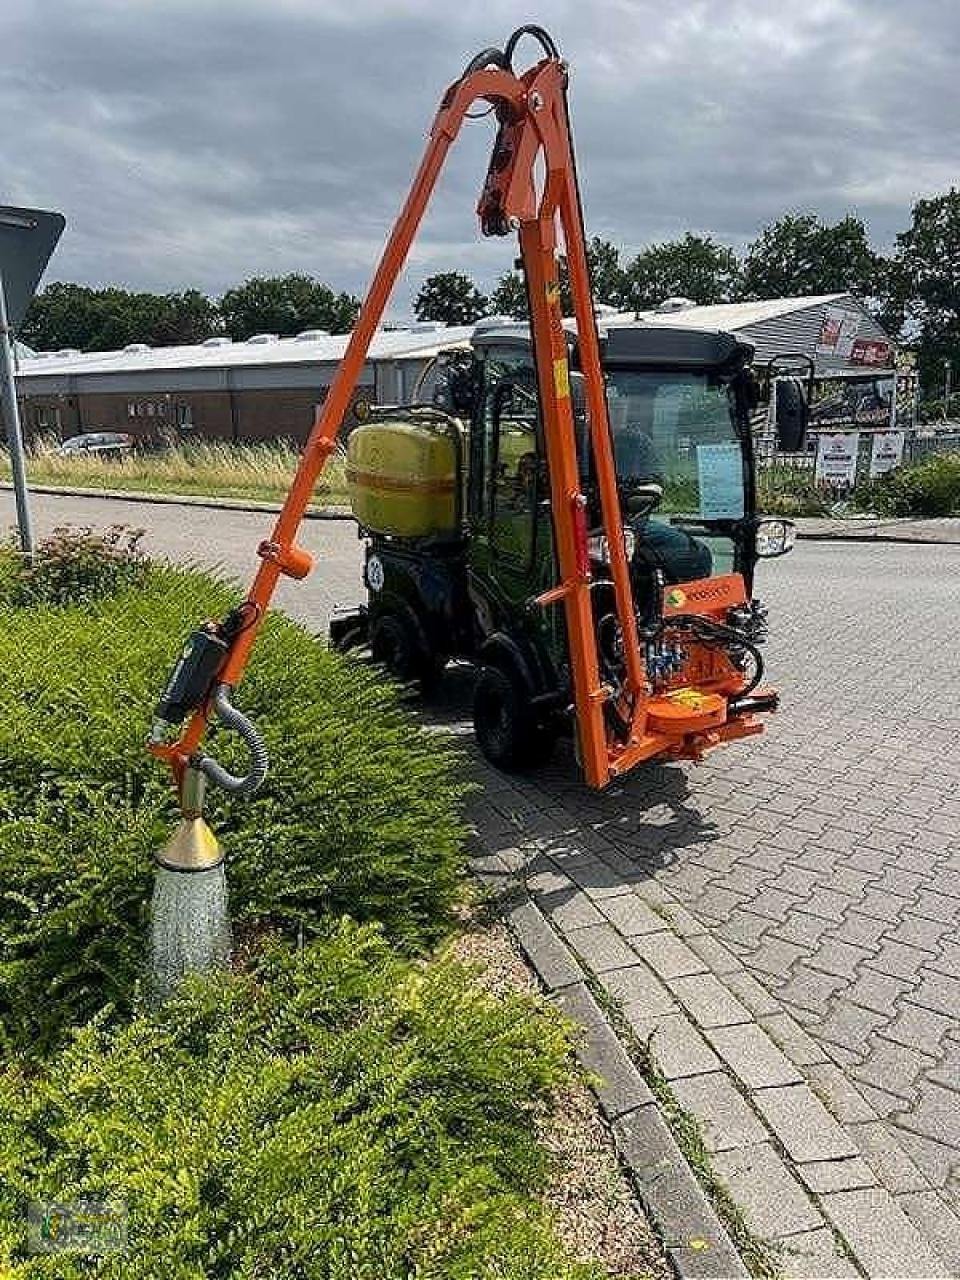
(917, 446)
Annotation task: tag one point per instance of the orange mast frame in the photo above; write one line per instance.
(534, 129)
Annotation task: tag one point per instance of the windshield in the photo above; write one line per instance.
(677, 430)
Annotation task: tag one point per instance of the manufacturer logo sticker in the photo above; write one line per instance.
(375, 573)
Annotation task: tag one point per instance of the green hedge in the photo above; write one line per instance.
(929, 488)
(341, 1115)
(359, 815)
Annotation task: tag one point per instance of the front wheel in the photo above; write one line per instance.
(505, 725)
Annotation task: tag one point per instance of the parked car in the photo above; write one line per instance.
(109, 444)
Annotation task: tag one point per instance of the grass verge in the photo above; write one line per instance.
(255, 472)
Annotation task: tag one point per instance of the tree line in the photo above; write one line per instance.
(914, 291)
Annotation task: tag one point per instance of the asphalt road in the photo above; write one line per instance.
(826, 854)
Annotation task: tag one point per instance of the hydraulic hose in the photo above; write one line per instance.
(231, 718)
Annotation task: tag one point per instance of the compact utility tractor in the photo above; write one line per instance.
(460, 518)
(574, 511)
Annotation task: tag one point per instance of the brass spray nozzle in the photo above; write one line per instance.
(193, 846)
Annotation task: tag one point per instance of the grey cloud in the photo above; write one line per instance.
(195, 143)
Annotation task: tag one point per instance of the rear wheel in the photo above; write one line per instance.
(507, 730)
(396, 644)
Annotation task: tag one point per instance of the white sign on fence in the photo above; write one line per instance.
(837, 458)
(886, 453)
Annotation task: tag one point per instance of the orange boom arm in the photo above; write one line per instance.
(534, 136)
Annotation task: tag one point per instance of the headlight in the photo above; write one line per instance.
(774, 537)
(599, 548)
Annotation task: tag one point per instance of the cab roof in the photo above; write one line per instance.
(639, 343)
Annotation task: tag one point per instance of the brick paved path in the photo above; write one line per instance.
(819, 864)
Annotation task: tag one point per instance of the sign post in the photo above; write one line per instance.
(11, 418)
(27, 239)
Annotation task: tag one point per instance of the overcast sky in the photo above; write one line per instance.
(196, 142)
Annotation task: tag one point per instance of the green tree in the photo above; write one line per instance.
(694, 267)
(607, 279)
(73, 315)
(509, 298)
(925, 293)
(450, 298)
(799, 254)
(286, 305)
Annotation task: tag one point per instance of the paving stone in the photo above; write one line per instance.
(677, 1047)
(619, 1086)
(837, 1175)
(601, 947)
(772, 1200)
(886, 1156)
(718, 958)
(811, 990)
(935, 1160)
(920, 1028)
(752, 993)
(883, 1239)
(640, 991)
(815, 1255)
(630, 915)
(937, 992)
(941, 1226)
(828, 904)
(553, 963)
(570, 910)
(726, 1118)
(792, 1039)
(894, 1068)
(840, 958)
(803, 1124)
(691, 1231)
(833, 1087)
(709, 1001)
(895, 958)
(861, 930)
(668, 956)
(850, 1027)
(547, 882)
(802, 929)
(598, 880)
(936, 1115)
(683, 922)
(776, 957)
(916, 931)
(744, 927)
(877, 991)
(753, 1056)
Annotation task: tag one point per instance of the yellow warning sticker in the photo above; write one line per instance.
(553, 292)
(687, 697)
(561, 378)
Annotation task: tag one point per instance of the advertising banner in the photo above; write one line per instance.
(871, 351)
(837, 459)
(886, 452)
(838, 333)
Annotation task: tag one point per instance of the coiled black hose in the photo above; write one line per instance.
(231, 718)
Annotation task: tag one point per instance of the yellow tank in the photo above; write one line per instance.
(402, 479)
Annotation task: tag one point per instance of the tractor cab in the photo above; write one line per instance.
(679, 402)
(454, 499)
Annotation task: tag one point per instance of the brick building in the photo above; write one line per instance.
(263, 389)
(267, 387)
